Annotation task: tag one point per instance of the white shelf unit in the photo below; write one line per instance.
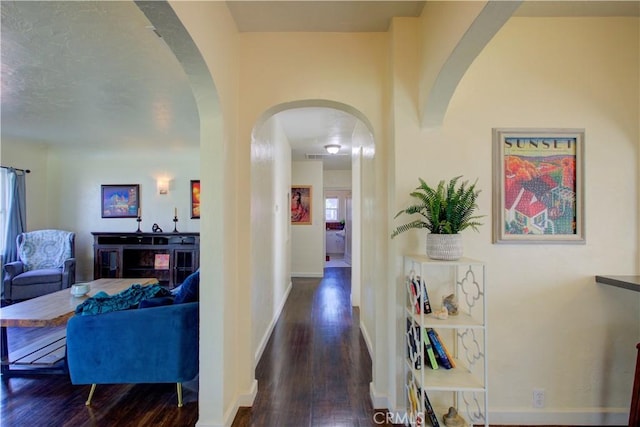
(465, 336)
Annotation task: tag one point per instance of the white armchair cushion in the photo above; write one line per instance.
(44, 249)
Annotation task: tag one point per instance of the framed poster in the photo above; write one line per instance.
(301, 205)
(538, 185)
(120, 201)
(161, 262)
(195, 198)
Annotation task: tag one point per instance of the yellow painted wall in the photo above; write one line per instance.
(550, 325)
(32, 156)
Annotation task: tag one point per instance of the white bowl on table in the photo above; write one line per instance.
(79, 289)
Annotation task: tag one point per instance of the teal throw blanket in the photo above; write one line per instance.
(129, 298)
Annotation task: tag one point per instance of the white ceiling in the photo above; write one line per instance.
(322, 16)
(82, 73)
(91, 73)
(310, 129)
(95, 74)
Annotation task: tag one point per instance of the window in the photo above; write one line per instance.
(3, 207)
(331, 209)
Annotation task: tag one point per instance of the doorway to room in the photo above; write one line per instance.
(288, 152)
(338, 226)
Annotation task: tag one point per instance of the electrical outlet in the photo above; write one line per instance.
(538, 398)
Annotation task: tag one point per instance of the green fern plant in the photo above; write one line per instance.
(447, 209)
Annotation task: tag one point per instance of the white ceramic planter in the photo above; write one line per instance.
(447, 247)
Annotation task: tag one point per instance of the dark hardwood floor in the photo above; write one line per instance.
(315, 371)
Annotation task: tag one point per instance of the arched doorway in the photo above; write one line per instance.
(276, 243)
(212, 231)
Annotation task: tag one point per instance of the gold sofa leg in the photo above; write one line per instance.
(179, 387)
(93, 388)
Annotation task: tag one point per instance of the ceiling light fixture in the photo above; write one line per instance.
(332, 148)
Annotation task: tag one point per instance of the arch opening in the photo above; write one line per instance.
(277, 165)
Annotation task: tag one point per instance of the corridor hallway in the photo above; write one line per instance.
(315, 369)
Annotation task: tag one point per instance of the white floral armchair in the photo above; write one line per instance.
(46, 264)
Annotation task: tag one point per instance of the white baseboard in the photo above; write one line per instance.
(379, 401)
(272, 324)
(201, 424)
(308, 275)
(569, 416)
(242, 400)
(248, 398)
(367, 340)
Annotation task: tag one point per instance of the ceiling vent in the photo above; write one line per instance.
(323, 156)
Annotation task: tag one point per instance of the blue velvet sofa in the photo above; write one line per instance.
(151, 344)
(145, 345)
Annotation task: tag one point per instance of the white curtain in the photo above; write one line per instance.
(4, 176)
(13, 211)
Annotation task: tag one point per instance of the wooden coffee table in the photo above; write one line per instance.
(47, 354)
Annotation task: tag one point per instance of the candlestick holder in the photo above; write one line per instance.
(175, 224)
(138, 220)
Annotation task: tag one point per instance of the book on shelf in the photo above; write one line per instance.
(446, 350)
(439, 349)
(414, 398)
(414, 296)
(426, 304)
(412, 345)
(428, 350)
(431, 414)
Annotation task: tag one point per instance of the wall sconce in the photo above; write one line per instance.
(163, 186)
(332, 148)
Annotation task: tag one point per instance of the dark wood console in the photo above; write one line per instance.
(168, 257)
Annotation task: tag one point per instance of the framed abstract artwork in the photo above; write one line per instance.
(301, 204)
(538, 186)
(120, 201)
(195, 198)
